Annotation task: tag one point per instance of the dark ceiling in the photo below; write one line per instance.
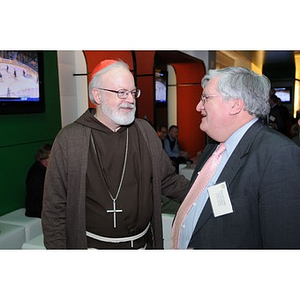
(279, 65)
(168, 57)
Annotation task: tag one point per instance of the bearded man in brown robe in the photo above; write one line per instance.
(107, 172)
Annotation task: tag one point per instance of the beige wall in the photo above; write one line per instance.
(297, 84)
(252, 60)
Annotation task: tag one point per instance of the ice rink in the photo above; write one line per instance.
(17, 80)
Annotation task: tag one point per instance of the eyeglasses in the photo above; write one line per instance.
(204, 97)
(123, 94)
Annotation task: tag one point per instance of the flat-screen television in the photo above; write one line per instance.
(284, 93)
(161, 86)
(21, 82)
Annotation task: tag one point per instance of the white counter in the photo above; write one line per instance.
(187, 171)
(11, 236)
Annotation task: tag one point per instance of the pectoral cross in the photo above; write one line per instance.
(114, 211)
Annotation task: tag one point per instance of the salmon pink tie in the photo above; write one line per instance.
(200, 183)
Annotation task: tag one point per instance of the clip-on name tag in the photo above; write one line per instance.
(219, 199)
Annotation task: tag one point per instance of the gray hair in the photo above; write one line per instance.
(97, 79)
(242, 83)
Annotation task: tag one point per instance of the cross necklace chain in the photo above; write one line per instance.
(114, 210)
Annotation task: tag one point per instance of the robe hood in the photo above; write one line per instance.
(88, 119)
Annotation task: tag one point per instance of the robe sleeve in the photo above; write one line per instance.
(55, 197)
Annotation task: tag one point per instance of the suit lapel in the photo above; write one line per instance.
(233, 165)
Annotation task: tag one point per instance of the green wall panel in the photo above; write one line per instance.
(22, 135)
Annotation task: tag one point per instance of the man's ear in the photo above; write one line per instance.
(237, 105)
(97, 96)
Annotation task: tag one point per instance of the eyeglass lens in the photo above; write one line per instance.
(123, 94)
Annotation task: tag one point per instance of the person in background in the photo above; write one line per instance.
(276, 120)
(172, 149)
(295, 130)
(287, 118)
(162, 132)
(280, 117)
(107, 172)
(168, 206)
(249, 197)
(35, 182)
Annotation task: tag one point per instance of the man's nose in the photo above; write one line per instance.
(130, 98)
(199, 105)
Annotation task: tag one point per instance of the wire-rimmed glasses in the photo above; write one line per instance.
(123, 93)
(204, 97)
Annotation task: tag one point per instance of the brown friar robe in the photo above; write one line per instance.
(106, 160)
(65, 196)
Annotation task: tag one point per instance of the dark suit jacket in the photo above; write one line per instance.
(262, 177)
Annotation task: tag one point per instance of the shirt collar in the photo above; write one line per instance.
(234, 139)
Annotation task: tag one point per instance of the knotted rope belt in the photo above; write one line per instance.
(118, 240)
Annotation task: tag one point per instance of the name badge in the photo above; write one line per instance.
(272, 118)
(219, 199)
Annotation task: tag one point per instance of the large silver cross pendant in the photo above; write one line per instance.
(114, 211)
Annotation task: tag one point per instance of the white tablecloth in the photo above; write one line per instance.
(36, 243)
(187, 172)
(33, 226)
(11, 236)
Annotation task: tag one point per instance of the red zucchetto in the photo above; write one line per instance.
(103, 64)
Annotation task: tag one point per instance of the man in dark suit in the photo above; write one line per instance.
(276, 119)
(252, 200)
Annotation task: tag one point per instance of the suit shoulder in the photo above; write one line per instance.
(275, 144)
(271, 136)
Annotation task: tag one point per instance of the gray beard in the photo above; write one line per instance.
(118, 117)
